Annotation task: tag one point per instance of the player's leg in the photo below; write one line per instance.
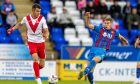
(36, 64)
(36, 67)
(95, 56)
(137, 81)
(97, 59)
(91, 77)
(92, 61)
(41, 54)
(92, 64)
(41, 63)
(138, 70)
(33, 52)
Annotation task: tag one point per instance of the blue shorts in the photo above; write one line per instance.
(95, 51)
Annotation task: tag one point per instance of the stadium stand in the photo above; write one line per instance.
(69, 33)
(45, 6)
(79, 31)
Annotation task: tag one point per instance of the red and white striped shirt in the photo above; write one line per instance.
(34, 28)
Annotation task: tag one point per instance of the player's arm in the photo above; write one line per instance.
(46, 33)
(124, 41)
(87, 20)
(45, 29)
(18, 25)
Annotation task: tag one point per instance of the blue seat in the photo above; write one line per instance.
(3, 31)
(17, 39)
(138, 32)
(59, 45)
(115, 41)
(57, 31)
(56, 34)
(15, 32)
(124, 32)
(133, 3)
(60, 40)
(4, 39)
(133, 36)
(134, 32)
(45, 12)
(45, 6)
(121, 24)
(56, 38)
(45, 0)
(46, 17)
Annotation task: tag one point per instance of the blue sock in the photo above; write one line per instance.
(89, 67)
(90, 77)
(138, 73)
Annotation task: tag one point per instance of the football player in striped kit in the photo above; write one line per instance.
(104, 36)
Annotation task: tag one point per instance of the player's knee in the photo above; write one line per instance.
(42, 66)
(138, 64)
(97, 59)
(35, 59)
(92, 70)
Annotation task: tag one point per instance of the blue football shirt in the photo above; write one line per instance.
(104, 37)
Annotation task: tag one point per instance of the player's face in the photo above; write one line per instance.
(36, 12)
(108, 24)
(7, 1)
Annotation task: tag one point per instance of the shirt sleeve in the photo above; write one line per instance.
(97, 28)
(44, 23)
(117, 33)
(23, 20)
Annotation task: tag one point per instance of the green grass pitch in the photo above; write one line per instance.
(60, 82)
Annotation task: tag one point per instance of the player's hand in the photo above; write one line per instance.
(9, 31)
(125, 43)
(87, 14)
(46, 37)
(137, 42)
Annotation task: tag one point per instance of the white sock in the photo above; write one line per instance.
(38, 81)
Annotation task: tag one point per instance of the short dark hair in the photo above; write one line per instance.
(108, 19)
(36, 6)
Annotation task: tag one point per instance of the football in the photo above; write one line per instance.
(53, 79)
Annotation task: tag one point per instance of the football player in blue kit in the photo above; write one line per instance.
(104, 36)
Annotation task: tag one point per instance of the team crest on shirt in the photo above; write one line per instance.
(112, 32)
(107, 35)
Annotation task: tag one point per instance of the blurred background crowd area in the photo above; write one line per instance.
(65, 19)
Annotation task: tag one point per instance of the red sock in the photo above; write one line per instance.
(36, 69)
